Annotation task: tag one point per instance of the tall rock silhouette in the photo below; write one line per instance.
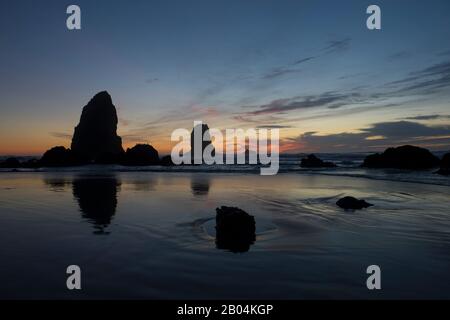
(95, 138)
(199, 143)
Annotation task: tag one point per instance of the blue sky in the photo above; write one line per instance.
(311, 68)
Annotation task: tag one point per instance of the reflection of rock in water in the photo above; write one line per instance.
(97, 198)
(235, 229)
(57, 184)
(144, 184)
(200, 186)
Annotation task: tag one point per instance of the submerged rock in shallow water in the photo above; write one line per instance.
(235, 229)
(352, 203)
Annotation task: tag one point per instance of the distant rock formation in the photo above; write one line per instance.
(31, 164)
(95, 137)
(167, 161)
(235, 229)
(205, 141)
(10, 163)
(445, 165)
(59, 157)
(350, 203)
(312, 161)
(141, 155)
(404, 157)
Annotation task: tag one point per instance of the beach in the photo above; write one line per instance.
(151, 235)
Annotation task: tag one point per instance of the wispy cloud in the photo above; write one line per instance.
(333, 46)
(400, 55)
(424, 81)
(331, 100)
(337, 45)
(151, 80)
(278, 72)
(274, 126)
(61, 135)
(429, 117)
(376, 137)
(303, 60)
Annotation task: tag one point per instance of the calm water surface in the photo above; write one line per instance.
(152, 235)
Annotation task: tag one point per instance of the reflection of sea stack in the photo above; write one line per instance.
(97, 198)
(95, 137)
(200, 185)
(199, 142)
(235, 229)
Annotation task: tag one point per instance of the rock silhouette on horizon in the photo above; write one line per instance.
(206, 141)
(404, 157)
(95, 138)
(141, 155)
(10, 163)
(351, 203)
(235, 229)
(167, 161)
(59, 157)
(311, 161)
(445, 165)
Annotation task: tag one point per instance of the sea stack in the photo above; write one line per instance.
(199, 142)
(96, 137)
(350, 203)
(404, 157)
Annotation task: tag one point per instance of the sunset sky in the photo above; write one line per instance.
(310, 68)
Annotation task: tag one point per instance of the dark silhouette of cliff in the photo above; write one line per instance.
(404, 157)
(205, 141)
(95, 138)
(97, 199)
